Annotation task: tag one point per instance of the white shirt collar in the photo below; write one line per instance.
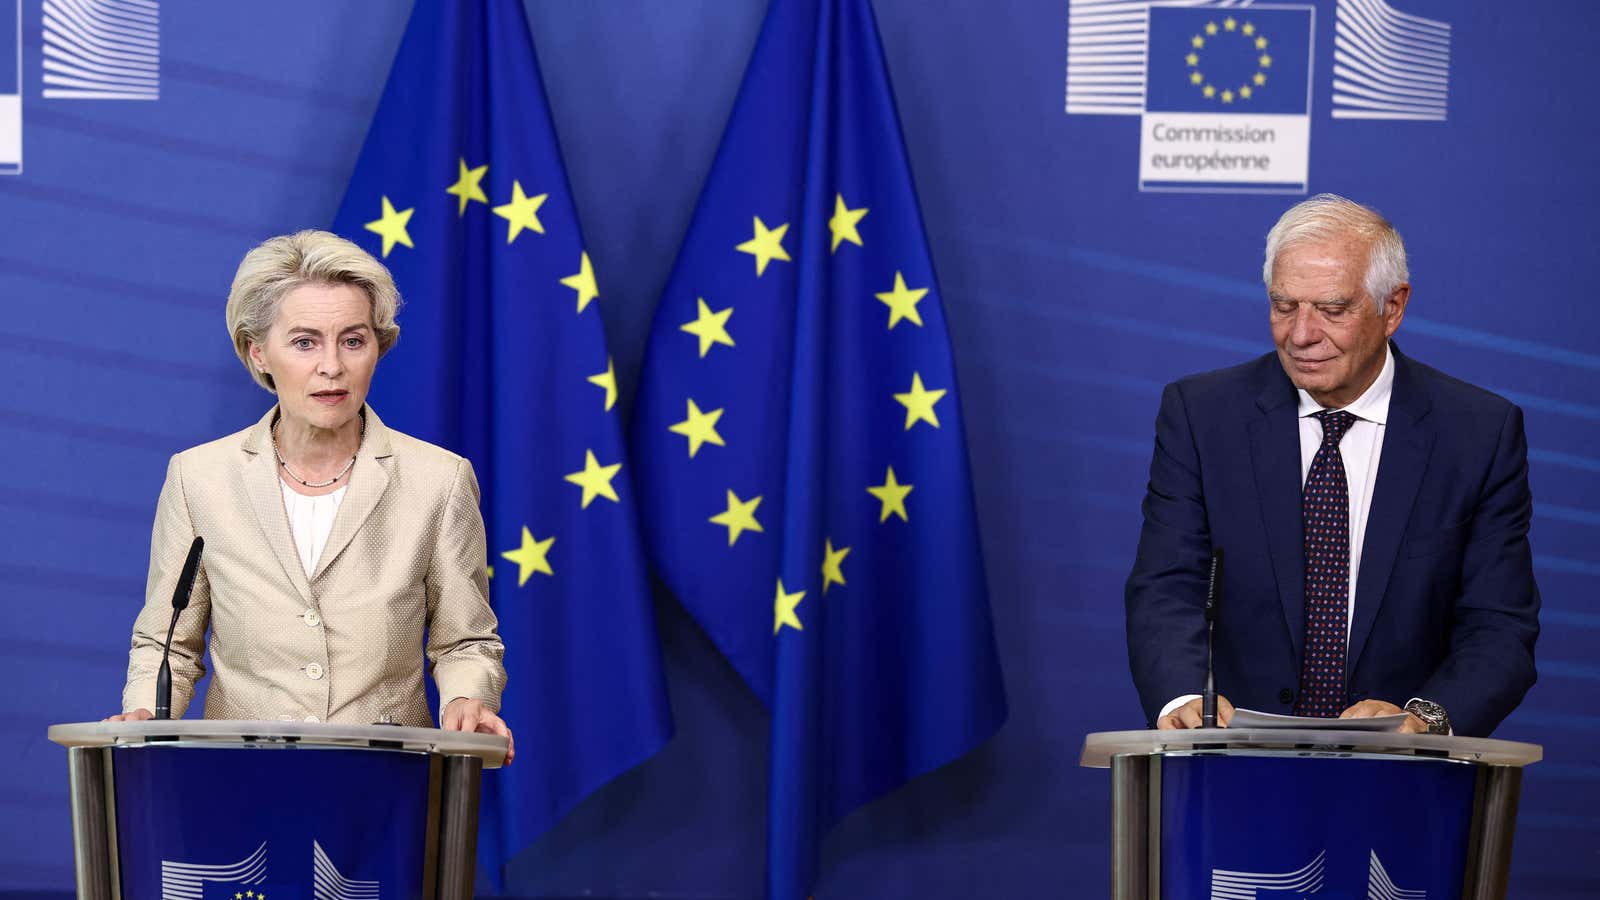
(1372, 405)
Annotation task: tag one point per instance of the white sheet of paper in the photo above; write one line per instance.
(1249, 718)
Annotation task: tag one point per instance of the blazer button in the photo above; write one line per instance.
(312, 719)
(314, 671)
(311, 618)
(1285, 696)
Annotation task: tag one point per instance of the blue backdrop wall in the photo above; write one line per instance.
(1073, 296)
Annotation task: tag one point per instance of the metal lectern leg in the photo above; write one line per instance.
(1130, 827)
(91, 838)
(458, 826)
(1494, 821)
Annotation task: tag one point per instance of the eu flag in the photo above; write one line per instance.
(803, 475)
(460, 188)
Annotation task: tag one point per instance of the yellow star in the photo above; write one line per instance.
(700, 428)
(1261, 43)
(832, 571)
(1196, 78)
(710, 327)
(1249, 29)
(237, 896)
(490, 570)
(530, 557)
(766, 246)
(1192, 59)
(843, 223)
(1211, 28)
(902, 302)
(1197, 42)
(1229, 23)
(469, 186)
(1260, 79)
(522, 212)
(249, 893)
(739, 517)
(595, 479)
(583, 283)
(919, 403)
(1266, 61)
(1209, 91)
(783, 609)
(392, 227)
(1227, 96)
(1245, 92)
(607, 380)
(892, 494)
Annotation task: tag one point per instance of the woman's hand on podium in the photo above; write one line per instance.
(137, 715)
(462, 714)
(1188, 715)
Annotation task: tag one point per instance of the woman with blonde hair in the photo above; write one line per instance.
(339, 554)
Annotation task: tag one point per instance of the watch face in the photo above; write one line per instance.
(1432, 714)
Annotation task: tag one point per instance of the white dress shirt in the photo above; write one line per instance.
(1361, 448)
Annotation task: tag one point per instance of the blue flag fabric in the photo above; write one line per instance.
(461, 189)
(803, 474)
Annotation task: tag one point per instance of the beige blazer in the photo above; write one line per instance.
(406, 558)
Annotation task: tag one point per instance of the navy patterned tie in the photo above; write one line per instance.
(1325, 517)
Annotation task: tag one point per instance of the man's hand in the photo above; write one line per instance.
(462, 714)
(1188, 715)
(1367, 709)
(138, 715)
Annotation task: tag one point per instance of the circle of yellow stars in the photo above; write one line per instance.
(711, 328)
(521, 215)
(1254, 39)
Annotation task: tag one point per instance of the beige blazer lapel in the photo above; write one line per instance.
(266, 498)
(368, 480)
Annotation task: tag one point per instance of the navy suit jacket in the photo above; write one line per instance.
(1446, 606)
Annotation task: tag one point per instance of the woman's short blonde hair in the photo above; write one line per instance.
(281, 264)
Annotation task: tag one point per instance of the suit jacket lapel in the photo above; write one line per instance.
(266, 499)
(1407, 440)
(368, 480)
(1275, 458)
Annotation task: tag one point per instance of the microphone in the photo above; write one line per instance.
(1208, 702)
(180, 602)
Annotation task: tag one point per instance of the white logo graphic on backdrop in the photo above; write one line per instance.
(10, 87)
(1389, 65)
(1379, 887)
(1106, 53)
(102, 50)
(1227, 100)
(328, 884)
(1227, 884)
(186, 881)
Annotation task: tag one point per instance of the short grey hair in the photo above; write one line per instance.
(1328, 216)
(281, 264)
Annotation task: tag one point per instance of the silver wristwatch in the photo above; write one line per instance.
(1431, 714)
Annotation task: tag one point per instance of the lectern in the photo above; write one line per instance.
(214, 810)
(1237, 814)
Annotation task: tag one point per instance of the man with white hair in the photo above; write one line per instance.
(1374, 512)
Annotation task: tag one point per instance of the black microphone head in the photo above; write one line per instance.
(191, 566)
(1214, 587)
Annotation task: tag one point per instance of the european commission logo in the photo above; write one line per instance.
(1228, 884)
(90, 50)
(247, 880)
(10, 87)
(1223, 87)
(1228, 102)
